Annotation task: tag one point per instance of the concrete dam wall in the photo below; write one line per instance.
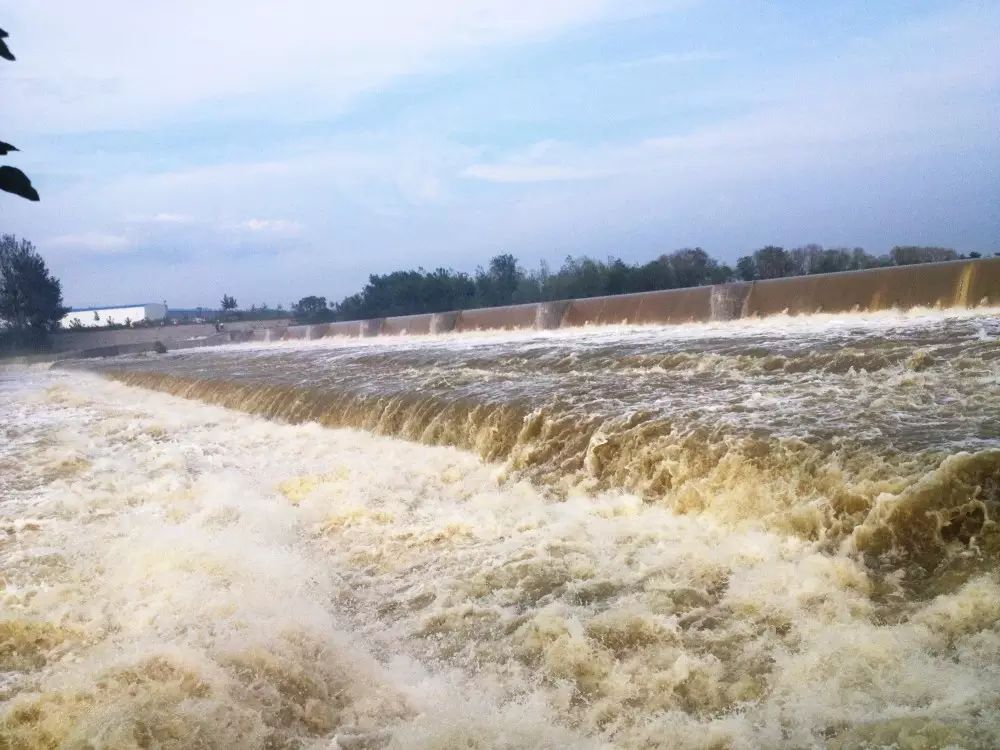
(106, 343)
(953, 284)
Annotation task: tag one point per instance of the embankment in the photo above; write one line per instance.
(87, 344)
(954, 284)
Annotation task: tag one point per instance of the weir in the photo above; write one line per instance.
(952, 284)
(707, 521)
(730, 422)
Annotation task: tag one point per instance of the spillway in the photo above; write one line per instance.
(776, 532)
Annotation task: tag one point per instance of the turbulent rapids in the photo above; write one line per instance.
(762, 533)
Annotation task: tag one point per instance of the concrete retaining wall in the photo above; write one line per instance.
(79, 340)
(955, 284)
(671, 306)
(511, 316)
(407, 324)
(966, 283)
(137, 347)
(729, 301)
(550, 315)
(70, 341)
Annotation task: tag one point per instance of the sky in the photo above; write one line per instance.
(271, 150)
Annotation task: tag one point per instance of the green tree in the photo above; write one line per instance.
(578, 277)
(654, 276)
(692, 267)
(13, 180)
(503, 281)
(228, 303)
(497, 283)
(746, 269)
(312, 309)
(904, 255)
(772, 262)
(30, 297)
(620, 276)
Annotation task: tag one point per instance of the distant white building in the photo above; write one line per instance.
(92, 317)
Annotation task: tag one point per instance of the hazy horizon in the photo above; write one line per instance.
(271, 153)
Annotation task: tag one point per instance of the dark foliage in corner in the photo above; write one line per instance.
(12, 179)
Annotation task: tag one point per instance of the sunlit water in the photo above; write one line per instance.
(778, 533)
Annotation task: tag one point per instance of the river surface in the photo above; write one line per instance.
(773, 533)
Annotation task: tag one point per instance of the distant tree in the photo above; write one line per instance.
(13, 180)
(529, 289)
(860, 260)
(772, 262)
(697, 268)
(619, 277)
(806, 259)
(746, 270)
(30, 297)
(724, 274)
(578, 277)
(228, 303)
(974, 255)
(693, 267)
(312, 309)
(904, 255)
(654, 276)
(496, 284)
(97, 317)
(504, 282)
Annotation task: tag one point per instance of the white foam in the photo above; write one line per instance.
(257, 582)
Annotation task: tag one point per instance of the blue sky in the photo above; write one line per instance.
(273, 150)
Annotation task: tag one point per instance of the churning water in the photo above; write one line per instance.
(777, 533)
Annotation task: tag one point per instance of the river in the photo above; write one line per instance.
(762, 533)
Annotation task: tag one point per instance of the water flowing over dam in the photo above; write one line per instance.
(951, 284)
(776, 532)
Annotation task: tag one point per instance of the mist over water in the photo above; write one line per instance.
(776, 533)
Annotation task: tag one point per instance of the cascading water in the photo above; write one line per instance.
(772, 533)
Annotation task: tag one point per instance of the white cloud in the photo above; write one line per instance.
(167, 218)
(517, 173)
(746, 152)
(666, 59)
(270, 226)
(162, 218)
(92, 242)
(875, 101)
(144, 62)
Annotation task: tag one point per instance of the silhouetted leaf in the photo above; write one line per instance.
(15, 181)
(6, 148)
(4, 49)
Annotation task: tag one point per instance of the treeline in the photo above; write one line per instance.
(504, 282)
(30, 297)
